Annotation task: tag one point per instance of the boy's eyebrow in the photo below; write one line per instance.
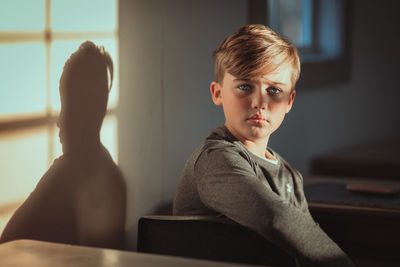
(245, 80)
(263, 79)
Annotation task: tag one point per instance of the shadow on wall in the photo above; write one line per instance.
(81, 199)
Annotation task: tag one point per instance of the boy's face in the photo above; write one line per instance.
(254, 108)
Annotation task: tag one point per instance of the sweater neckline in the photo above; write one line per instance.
(235, 140)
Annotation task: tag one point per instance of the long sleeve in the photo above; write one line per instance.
(227, 183)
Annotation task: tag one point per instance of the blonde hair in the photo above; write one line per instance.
(254, 50)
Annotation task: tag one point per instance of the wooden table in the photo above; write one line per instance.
(29, 253)
(370, 235)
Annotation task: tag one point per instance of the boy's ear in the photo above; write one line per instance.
(291, 100)
(215, 89)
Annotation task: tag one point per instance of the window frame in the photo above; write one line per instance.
(317, 74)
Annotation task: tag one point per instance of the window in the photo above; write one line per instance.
(315, 27)
(319, 29)
(36, 38)
(292, 19)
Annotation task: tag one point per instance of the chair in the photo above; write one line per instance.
(207, 237)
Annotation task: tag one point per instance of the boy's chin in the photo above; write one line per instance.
(257, 134)
(258, 130)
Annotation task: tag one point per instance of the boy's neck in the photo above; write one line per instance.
(258, 147)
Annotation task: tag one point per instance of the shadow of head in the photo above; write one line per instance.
(84, 87)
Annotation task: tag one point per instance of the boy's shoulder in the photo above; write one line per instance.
(221, 139)
(218, 141)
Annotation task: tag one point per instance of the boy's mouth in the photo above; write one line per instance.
(257, 118)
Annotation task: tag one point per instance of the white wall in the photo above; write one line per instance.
(165, 108)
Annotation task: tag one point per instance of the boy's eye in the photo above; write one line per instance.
(244, 87)
(273, 91)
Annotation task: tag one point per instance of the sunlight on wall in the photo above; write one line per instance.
(30, 68)
(23, 170)
(23, 79)
(24, 159)
(22, 15)
(108, 136)
(87, 15)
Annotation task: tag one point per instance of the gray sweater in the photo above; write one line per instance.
(222, 177)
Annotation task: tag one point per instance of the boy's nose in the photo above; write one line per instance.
(260, 99)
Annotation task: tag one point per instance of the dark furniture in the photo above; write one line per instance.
(365, 226)
(207, 237)
(379, 159)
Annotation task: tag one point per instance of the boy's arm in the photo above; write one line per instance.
(227, 184)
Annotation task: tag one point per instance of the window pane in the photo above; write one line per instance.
(61, 51)
(86, 15)
(24, 159)
(292, 19)
(23, 79)
(108, 135)
(24, 15)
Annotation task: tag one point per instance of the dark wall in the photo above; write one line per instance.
(364, 109)
(165, 108)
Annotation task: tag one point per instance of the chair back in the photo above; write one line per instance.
(208, 237)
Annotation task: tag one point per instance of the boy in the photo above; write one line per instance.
(233, 173)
